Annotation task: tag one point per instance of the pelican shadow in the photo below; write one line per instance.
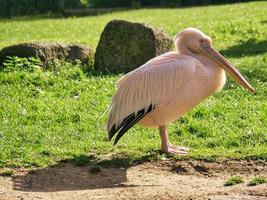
(251, 47)
(70, 175)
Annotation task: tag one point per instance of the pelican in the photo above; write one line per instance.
(168, 86)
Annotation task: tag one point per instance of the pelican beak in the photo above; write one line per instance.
(208, 50)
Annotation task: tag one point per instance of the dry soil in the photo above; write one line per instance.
(151, 180)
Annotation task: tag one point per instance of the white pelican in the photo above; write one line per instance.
(168, 86)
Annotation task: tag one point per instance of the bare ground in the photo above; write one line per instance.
(151, 180)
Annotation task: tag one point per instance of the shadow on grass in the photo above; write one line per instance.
(256, 74)
(85, 12)
(93, 72)
(249, 48)
(80, 173)
(30, 18)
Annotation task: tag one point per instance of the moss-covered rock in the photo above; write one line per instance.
(48, 51)
(124, 46)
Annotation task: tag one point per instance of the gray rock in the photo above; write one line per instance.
(48, 51)
(124, 46)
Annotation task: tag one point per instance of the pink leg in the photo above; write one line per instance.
(166, 146)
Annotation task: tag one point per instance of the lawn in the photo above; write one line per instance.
(48, 116)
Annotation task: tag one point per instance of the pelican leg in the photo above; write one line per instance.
(166, 146)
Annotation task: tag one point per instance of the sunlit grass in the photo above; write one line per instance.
(48, 116)
(257, 180)
(233, 180)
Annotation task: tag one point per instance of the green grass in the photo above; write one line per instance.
(233, 180)
(49, 116)
(257, 180)
(6, 172)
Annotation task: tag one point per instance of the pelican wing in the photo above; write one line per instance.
(140, 92)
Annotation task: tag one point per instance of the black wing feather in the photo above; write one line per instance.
(114, 130)
(128, 122)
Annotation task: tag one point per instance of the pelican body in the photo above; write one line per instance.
(168, 86)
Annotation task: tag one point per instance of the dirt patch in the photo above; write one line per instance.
(151, 180)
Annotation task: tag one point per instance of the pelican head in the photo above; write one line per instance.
(193, 41)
